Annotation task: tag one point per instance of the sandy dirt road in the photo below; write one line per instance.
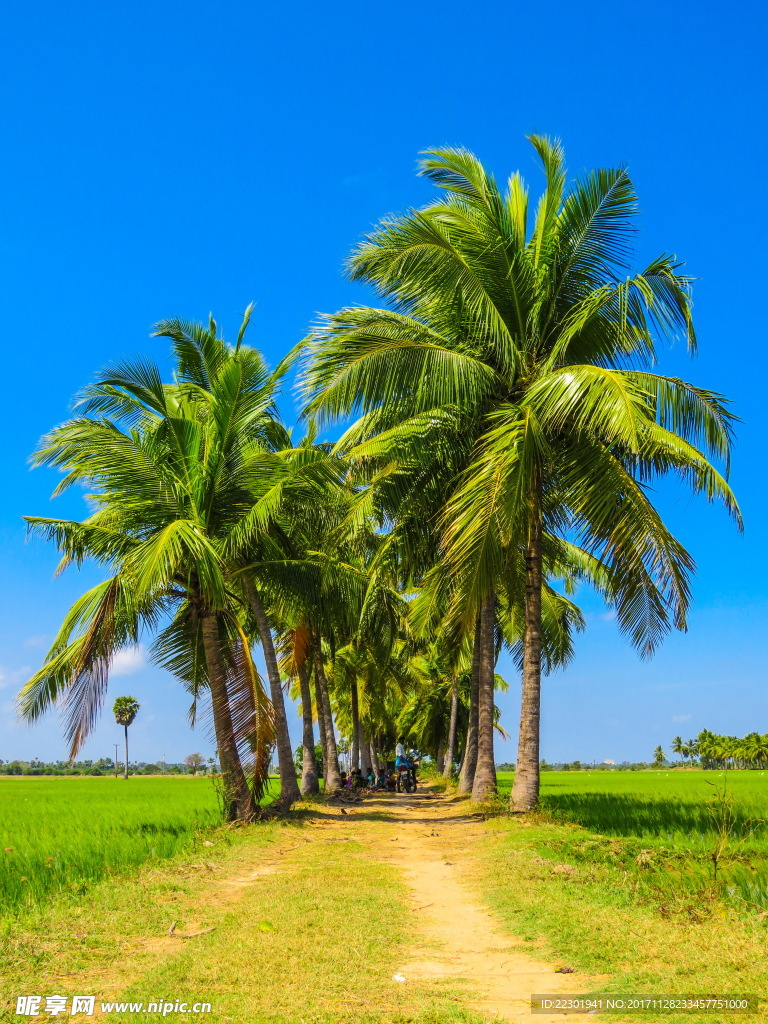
(430, 838)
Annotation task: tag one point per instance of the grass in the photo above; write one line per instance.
(668, 805)
(307, 929)
(59, 836)
(615, 877)
(684, 830)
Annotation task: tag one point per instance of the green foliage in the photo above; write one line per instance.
(729, 751)
(508, 415)
(125, 710)
(508, 427)
(512, 348)
(298, 760)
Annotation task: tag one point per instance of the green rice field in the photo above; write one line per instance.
(687, 829)
(671, 806)
(57, 835)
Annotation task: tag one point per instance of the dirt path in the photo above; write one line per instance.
(450, 941)
(453, 936)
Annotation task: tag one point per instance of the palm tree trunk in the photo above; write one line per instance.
(322, 731)
(125, 773)
(332, 777)
(375, 759)
(484, 784)
(469, 760)
(355, 726)
(309, 781)
(525, 790)
(451, 749)
(365, 752)
(289, 787)
(238, 800)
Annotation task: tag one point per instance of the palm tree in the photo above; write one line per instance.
(678, 747)
(658, 756)
(295, 663)
(206, 363)
(521, 357)
(125, 710)
(171, 471)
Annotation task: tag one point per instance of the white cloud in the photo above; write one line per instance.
(14, 677)
(38, 641)
(681, 718)
(608, 616)
(128, 662)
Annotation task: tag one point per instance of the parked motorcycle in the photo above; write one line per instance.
(405, 779)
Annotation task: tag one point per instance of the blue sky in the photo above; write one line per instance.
(171, 158)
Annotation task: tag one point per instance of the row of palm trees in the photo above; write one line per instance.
(503, 428)
(751, 751)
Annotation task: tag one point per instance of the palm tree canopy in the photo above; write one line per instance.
(518, 352)
(125, 710)
(171, 470)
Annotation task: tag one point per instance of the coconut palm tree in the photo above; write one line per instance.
(296, 664)
(658, 756)
(520, 355)
(125, 710)
(678, 747)
(170, 469)
(693, 749)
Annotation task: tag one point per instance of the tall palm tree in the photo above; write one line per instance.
(678, 747)
(205, 362)
(296, 665)
(170, 469)
(125, 710)
(693, 749)
(527, 348)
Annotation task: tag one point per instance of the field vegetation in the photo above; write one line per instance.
(696, 838)
(584, 900)
(612, 876)
(60, 836)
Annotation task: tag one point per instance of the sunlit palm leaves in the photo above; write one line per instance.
(532, 343)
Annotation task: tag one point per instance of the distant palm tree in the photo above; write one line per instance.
(678, 747)
(658, 756)
(125, 710)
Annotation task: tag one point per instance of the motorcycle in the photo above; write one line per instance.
(405, 780)
(406, 777)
